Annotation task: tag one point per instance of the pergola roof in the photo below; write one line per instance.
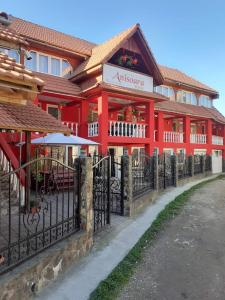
(10, 35)
(28, 117)
(12, 71)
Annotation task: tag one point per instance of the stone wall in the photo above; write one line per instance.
(31, 276)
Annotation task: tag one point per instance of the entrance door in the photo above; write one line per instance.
(217, 161)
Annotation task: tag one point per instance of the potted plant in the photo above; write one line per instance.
(34, 207)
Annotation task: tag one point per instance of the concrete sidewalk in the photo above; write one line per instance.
(84, 277)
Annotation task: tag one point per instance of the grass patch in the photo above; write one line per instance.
(110, 288)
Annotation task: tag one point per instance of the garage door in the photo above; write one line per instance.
(217, 161)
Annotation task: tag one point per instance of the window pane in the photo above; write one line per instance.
(3, 50)
(54, 112)
(14, 54)
(65, 65)
(32, 63)
(43, 63)
(55, 66)
(193, 99)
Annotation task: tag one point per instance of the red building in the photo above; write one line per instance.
(117, 94)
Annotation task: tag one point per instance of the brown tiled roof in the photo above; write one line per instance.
(129, 91)
(50, 36)
(14, 71)
(178, 76)
(188, 109)
(59, 85)
(28, 117)
(10, 35)
(101, 52)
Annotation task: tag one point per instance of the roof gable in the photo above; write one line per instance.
(103, 52)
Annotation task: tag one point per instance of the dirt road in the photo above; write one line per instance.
(187, 260)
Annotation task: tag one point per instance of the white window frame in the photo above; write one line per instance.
(169, 88)
(49, 62)
(189, 93)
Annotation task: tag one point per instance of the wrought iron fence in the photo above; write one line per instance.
(198, 164)
(108, 179)
(166, 170)
(49, 212)
(183, 166)
(142, 174)
(101, 191)
(208, 163)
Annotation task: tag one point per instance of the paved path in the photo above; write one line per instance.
(84, 277)
(187, 261)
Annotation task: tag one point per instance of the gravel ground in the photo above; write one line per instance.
(187, 260)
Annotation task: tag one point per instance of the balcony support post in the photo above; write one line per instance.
(209, 136)
(187, 133)
(150, 120)
(103, 123)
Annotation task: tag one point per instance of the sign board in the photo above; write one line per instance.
(126, 78)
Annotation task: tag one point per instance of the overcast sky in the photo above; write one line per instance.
(188, 35)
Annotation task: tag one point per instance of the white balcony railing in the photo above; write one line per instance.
(198, 138)
(71, 125)
(125, 129)
(217, 140)
(173, 137)
(93, 129)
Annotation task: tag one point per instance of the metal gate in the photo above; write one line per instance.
(166, 170)
(107, 189)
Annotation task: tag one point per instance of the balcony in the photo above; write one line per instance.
(71, 125)
(198, 138)
(173, 137)
(120, 129)
(217, 140)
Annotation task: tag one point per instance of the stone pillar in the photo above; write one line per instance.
(203, 157)
(86, 192)
(175, 169)
(191, 165)
(127, 192)
(156, 172)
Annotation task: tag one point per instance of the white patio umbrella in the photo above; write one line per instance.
(61, 139)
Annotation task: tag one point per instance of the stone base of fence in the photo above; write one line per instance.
(30, 277)
(143, 201)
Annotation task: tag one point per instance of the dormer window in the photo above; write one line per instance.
(165, 90)
(186, 97)
(47, 64)
(13, 53)
(205, 101)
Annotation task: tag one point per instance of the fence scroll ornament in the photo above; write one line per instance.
(52, 213)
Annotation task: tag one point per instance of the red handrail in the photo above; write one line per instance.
(12, 158)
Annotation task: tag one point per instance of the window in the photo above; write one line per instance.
(13, 53)
(54, 111)
(205, 101)
(55, 66)
(65, 65)
(165, 90)
(186, 97)
(46, 64)
(43, 63)
(32, 63)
